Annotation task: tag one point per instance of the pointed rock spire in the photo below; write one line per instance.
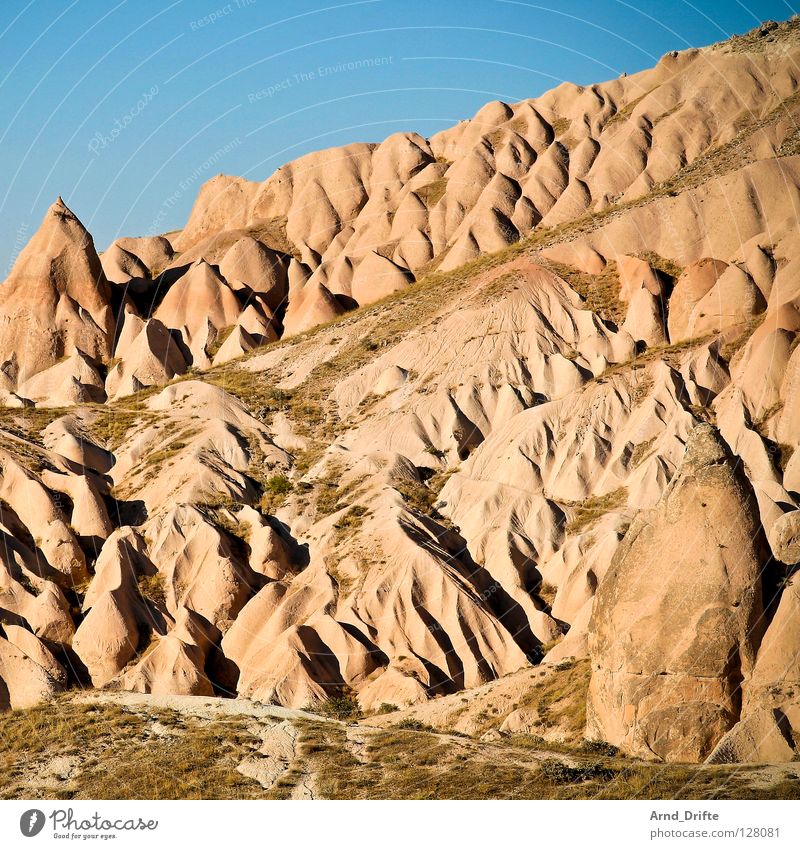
(56, 299)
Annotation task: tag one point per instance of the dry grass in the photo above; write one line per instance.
(238, 533)
(560, 697)
(352, 519)
(405, 764)
(600, 292)
(725, 158)
(344, 583)
(760, 37)
(422, 496)
(343, 706)
(219, 340)
(111, 422)
(146, 753)
(391, 319)
(666, 267)
(672, 355)
(275, 490)
(19, 444)
(417, 763)
(195, 765)
(547, 593)
(29, 422)
(761, 423)
(119, 756)
(432, 193)
(641, 451)
(330, 496)
(172, 448)
(641, 387)
(623, 114)
(667, 113)
(586, 513)
(152, 587)
(737, 338)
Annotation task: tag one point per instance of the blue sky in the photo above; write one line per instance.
(124, 107)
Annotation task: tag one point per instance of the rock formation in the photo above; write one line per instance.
(407, 419)
(678, 616)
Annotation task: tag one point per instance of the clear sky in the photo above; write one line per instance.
(124, 107)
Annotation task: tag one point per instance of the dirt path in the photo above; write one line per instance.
(203, 707)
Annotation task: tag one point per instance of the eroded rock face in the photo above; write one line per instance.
(678, 617)
(775, 682)
(469, 478)
(56, 301)
(763, 737)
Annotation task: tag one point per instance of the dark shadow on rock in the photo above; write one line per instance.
(222, 673)
(492, 594)
(132, 513)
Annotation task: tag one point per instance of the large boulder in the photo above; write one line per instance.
(677, 617)
(251, 264)
(763, 737)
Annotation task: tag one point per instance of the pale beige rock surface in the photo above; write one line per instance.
(675, 627)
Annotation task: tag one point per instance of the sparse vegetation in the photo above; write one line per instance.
(666, 267)
(422, 496)
(641, 387)
(557, 772)
(411, 759)
(547, 592)
(586, 513)
(111, 752)
(736, 341)
(116, 755)
(113, 421)
(29, 422)
(353, 518)
(763, 35)
(673, 355)
(343, 706)
(780, 452)
(416, 763)
(330, 495)
(274, 491)
(219, 513)
(623, 114)
(640, 451)
(414, 725)
(559, 699)
(344, 583)
(600, 292)
(172, 448)
(432, 193)
(152, 587)
(219, 340)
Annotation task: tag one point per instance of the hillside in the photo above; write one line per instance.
(407, 426)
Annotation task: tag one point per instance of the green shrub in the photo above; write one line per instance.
(342, 706)
(409, 724)
(274, 492)
(558, 772)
